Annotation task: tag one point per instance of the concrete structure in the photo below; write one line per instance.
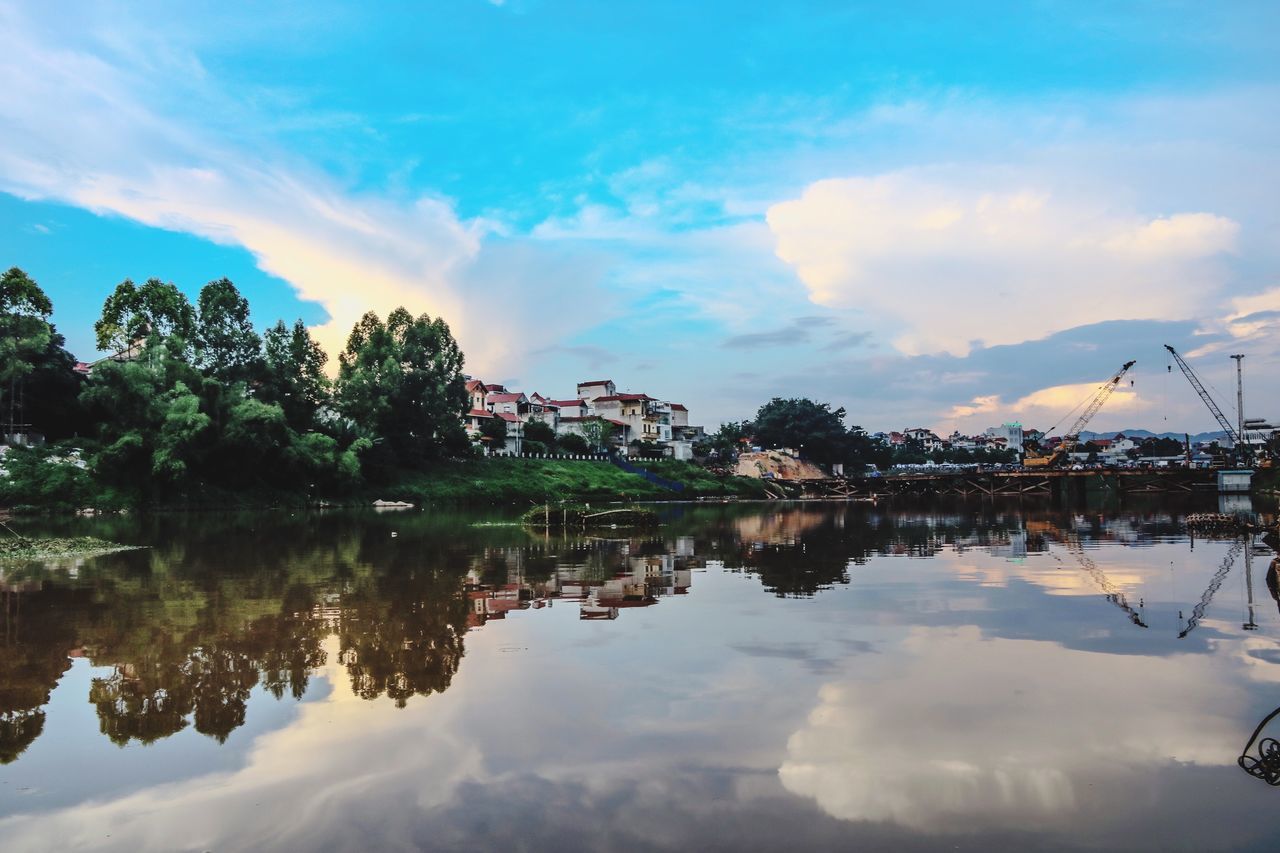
(589, 391)
(1234, 481)
(1011, 433)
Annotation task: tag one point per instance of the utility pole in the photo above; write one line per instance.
(1239, 357)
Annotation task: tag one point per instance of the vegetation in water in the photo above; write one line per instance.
(24, 548)
(582, 516)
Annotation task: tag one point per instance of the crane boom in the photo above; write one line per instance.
(1204, 395)
(1033, 458)
(1101, 397)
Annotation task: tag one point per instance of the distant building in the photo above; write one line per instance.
(1011, 433)
(589, 391)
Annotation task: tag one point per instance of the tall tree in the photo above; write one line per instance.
(294, 374)
(132, 314)
(814, 428)
(401, 382)
(25, 333)
(227, 347)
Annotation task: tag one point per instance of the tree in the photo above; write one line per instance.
(539, 431)
(402, 382)
(727, 440)
(813, 428)
(494, 429)
(227, 347)
(132, 314)
(597, 432)
(24, 332)
(293, 374)
(573, 443)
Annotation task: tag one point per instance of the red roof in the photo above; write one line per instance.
(567, 404)
(503, 398)
(508, 417)
(601, 382)
(678, 407)
(624, 398)
(473, 384)
(498, 388)
(479, 413)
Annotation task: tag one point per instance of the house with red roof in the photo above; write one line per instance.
(589, 391)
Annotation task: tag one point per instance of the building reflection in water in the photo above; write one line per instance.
(182, 633)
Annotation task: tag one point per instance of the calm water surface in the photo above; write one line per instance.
(821, 676)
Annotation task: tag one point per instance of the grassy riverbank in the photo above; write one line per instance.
(45, 487)
(520, 481)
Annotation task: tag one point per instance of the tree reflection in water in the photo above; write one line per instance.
(220, 605)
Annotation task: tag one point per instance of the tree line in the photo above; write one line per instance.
(193, 403)
(819, 433)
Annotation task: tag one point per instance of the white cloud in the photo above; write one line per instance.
(83, 133)
(1045, 407)
(952, 256)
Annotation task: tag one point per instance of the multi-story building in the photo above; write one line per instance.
(648, 419)
(589, 391)
(1011, 433)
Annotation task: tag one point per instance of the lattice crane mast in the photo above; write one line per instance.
(1237, 440)
(1033, 458)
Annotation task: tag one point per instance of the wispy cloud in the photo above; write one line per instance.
(83, 132)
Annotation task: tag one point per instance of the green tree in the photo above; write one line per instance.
(227, 347)
(294, 374)
(727, 440)
(573, 443)
(597, 432)
(402, 383)
(540, 431)
(25, 334)
(494, 429)
(814, 428)
(133, 314)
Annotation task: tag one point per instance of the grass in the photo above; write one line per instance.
(522, 481)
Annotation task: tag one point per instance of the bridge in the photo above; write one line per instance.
(1022, 483)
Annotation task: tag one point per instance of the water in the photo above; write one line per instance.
(820, 676)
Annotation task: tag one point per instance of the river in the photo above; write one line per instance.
(746, 677)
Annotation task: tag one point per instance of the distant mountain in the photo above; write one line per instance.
(1196, 437)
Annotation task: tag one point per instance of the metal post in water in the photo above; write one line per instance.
(1248, 583)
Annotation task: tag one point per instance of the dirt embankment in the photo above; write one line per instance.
(780, 465)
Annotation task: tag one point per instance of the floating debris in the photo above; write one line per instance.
(383, 505)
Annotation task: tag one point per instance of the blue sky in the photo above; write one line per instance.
(944, 214)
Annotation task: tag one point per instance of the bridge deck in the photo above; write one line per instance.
(1023, 482)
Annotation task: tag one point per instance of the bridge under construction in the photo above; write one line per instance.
(1045, 482)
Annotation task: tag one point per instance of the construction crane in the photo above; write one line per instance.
(1035, 459)
(1236, 439)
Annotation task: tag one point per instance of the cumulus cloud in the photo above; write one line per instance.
(1045, 407)
(953, 258)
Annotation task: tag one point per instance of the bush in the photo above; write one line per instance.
(574, 443)
(540, 432)
(46, 477)
(533, 447)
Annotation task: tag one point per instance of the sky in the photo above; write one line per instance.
(930, 214)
